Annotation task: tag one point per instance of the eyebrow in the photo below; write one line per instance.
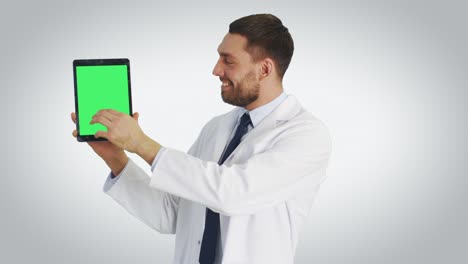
(225, 54)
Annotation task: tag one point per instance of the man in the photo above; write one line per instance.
(243, 191)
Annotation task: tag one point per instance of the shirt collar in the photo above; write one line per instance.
(259, 113)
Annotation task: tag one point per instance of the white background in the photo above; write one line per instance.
(388, 78)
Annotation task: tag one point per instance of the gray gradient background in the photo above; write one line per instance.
(387, 77)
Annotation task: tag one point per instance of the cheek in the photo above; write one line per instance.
(237, 75)
(232, 75)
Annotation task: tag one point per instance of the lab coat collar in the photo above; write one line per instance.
(283, 112)
(259, 113)
(288, 109)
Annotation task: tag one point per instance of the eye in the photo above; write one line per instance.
(228, 61)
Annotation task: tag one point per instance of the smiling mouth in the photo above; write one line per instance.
(225, 84)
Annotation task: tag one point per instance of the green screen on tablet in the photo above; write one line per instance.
(100, 84)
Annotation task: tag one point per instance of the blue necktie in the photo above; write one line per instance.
(210, 235)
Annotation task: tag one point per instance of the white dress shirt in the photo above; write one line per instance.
(263, 191)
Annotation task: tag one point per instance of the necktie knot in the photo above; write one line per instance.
(245, 120)
(241, 130)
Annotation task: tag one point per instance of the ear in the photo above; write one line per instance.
(266, 68)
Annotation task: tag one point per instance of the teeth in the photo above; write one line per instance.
(225, 84)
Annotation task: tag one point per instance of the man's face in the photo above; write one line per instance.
(237, 72)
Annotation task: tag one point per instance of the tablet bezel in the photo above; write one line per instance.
(97, 62)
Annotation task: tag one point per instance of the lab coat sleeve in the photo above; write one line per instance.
(295, 163)
(155, 208)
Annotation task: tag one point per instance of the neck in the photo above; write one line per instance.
(267, 94)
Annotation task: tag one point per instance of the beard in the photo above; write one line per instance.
(244, 93)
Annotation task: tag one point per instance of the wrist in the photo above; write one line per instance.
(117, 163)
(148, 149)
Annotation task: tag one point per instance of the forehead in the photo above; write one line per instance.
(233, 45)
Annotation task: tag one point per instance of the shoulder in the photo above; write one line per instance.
(308, 119)
(294, 113)
(307, 129)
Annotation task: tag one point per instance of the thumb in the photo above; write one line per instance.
(136, 115)
(102, 134)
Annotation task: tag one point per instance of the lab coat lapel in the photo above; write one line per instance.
(283, 113)
(223, 132)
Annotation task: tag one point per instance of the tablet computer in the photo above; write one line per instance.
(100, 84)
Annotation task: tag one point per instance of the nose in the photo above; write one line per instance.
(217, 70)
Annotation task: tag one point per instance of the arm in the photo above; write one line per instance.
(131, 187)
(155, 208)
(295, 164)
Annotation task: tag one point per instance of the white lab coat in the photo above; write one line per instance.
(263, 191)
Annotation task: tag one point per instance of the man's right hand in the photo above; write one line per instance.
(114, 157)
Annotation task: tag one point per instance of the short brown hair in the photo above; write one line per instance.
(266, 37)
